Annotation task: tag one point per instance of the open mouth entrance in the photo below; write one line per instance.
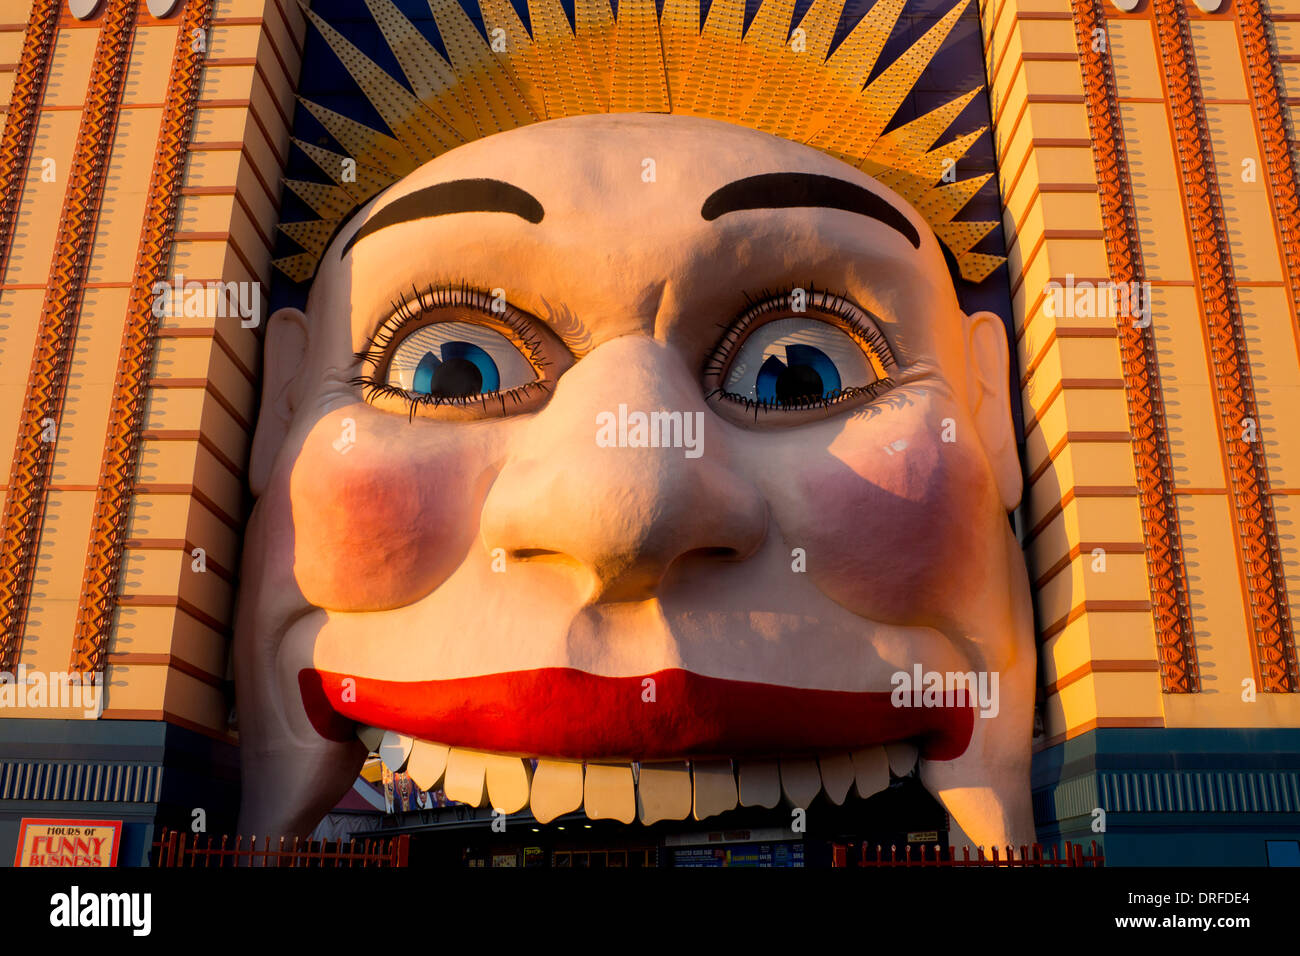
(639, 791)
(482, 810)
(459, 836)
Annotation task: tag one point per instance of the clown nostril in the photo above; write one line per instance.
(526, 553)
(724, 553)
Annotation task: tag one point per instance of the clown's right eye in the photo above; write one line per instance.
(458, 353)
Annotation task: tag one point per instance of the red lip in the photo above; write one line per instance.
(562, 712)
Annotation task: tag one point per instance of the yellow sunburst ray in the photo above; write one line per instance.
(818, 25)
(943, 202)
(977, 266)
(908, 183)
(413, 123)
(793, 100)
(792, 96)
(432, 79)
(638, 82)
(567, 83)
(328, 202)
(855, 58)
(679, 29)
(495, 102)
(311, 234)
(921, 133)
(939, 161)
(762, 101)
(522, 58)
(764, 48)
(769, 31)
(710, 87)
(356, 179)
(961, 236)
(367, 146)
(593, 24)
(299, 268)
(886, 92)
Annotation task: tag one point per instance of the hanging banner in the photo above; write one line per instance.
(387, 776)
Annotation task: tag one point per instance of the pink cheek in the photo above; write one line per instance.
(384, 525)
(901, 540)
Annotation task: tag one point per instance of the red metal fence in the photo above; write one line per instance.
(174, 848)
(843, 854)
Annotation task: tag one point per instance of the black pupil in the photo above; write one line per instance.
(798, 382)
(457, 377)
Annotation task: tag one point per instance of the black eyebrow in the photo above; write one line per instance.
(792, 190)
(459, 195)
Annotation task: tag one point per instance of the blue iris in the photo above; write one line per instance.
(807, 374)
(464, 369)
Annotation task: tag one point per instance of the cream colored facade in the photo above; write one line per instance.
(1099, 661)
(168, 653)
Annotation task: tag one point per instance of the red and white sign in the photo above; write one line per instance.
(68, 842)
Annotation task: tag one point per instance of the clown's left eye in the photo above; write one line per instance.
(790, 354)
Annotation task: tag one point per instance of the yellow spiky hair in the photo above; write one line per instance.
(766, 78)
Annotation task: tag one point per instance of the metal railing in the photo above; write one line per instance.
(1074, 856)
(177, 849)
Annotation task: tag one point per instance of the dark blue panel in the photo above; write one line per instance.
(1283, 852)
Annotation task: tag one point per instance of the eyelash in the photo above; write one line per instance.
(779, 301)
(411, 307)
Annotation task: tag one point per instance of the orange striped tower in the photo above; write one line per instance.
(1147, 144)
(142, 141)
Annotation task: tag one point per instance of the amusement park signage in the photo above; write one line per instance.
(68, 843)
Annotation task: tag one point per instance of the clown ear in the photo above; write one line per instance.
(988, 396)
(283, 352)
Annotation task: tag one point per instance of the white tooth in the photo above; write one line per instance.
(394, 749)
(986, 788)
(902, 757)
(837, 775)
(663, 791)
(557, 789)
(760, 783)
(609, 793)
(989, 802)
(870, 771)
(801, 780)
(465, 777)
(508, 781)
(427, 763)
(715, 787)
(372, 737)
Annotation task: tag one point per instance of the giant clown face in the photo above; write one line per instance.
(651, 447)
